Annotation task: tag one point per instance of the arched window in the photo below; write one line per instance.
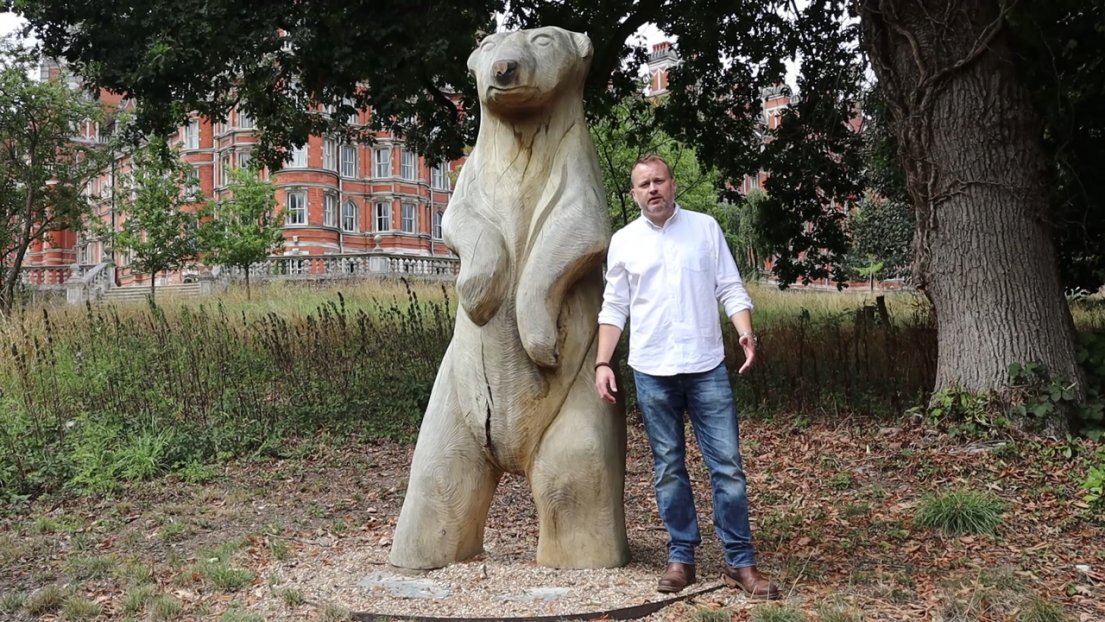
(437, 224)
(349, 216)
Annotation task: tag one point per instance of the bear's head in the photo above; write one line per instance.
(522, 71)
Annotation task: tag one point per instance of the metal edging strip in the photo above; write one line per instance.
(623, 613)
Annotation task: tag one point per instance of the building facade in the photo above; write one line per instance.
(338, 200)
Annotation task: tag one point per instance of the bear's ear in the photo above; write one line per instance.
(583, 44)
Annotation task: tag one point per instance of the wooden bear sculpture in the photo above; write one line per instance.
(515, 392)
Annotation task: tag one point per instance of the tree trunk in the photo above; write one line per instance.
(971, 145)
(247, 282)
(153, 287)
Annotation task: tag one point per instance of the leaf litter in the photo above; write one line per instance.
(831, 511)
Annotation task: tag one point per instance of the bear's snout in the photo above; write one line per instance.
(505, 71)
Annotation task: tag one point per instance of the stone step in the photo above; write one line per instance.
(141, 292)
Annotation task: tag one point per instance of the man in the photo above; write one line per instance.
(668, 270)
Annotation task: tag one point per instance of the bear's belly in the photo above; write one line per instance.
(506, 401)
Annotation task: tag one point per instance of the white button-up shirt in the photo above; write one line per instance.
(669, 280)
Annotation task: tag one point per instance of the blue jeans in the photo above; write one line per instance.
(708, 398)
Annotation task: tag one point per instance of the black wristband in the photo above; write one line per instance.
(598, 365)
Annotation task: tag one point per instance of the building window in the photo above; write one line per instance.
(383, 162)
(192, 135)
(295, 207)
(328, 161)
(439, 176)
(349, 216)
(330, 211)
(348, 161)
(245, 122)
(299, 158)
(437, 225)
(224, 170)
(192, 186)
(409, 217)
(383, 216)
(409, 165)
(244, 158)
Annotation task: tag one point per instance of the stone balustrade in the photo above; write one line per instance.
(305, 267)
(48, 277)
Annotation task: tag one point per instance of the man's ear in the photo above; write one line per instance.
(583, 44)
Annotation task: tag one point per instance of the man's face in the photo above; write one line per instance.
(653, 190)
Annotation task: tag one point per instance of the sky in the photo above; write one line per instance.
(8, 23)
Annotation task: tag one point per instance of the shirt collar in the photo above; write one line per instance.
(674, 215)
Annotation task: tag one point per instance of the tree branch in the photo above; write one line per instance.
(604, 66)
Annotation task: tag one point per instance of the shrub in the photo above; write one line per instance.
(960, 512)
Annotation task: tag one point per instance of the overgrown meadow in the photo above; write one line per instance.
(92, 396)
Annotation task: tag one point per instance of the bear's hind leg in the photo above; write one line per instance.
(450, 489)
(578, 480)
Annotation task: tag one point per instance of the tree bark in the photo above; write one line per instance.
(971, 145)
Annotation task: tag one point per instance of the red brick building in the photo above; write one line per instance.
(343, 203)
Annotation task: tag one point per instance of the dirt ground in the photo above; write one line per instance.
(832, 511)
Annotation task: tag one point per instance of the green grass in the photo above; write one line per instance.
(12, 602)
(135, 573)
(1042, 610)
(45, 600)
(335, 613)
(138, 596)
(165, 608)
(237, 615)
(82, 568)
(838, 613)
(777, 613)
(80, 608)
(224, 577)
(292, 598)
(960, 512)
(704, 614)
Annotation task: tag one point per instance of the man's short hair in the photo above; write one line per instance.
(649, 158)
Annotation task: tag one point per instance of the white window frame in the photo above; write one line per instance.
(245, 122)
(439, 176)
(224, 171)
(436, 231)
(295, 214)
(330, 210)
(408, 165)
(408, 214)
(349, 165)
(299, 158)
(381, 166)
(192, 134)
(349, 215)
(244, 158)
(381, 215)
(329, 162)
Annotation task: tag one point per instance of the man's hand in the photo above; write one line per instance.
(748, 344)
(605, 384)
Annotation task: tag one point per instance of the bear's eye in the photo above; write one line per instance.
(542, 40)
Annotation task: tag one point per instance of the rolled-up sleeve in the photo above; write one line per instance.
(730, 287)
(615, 297)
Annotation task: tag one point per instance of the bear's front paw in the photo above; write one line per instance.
(541, 340)
(482, 284)
(479, 296)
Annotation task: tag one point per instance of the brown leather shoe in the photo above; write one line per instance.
(751, 582)
(676, 577)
